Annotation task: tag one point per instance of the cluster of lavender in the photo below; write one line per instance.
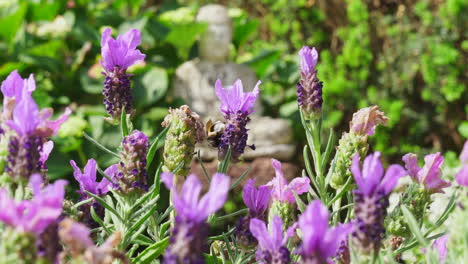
(284, 222)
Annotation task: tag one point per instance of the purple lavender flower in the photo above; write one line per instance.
(272, 245)
(309, 88)
(371, 200)
(319, 242)
(33, 216)
(132, 167)
(117, 56)
(32, 128)
(429, 174)
(257, 201)
(87, 178)
(462, 175)
(188, 239)
(284, 192)
(236, 105)
(12, 89)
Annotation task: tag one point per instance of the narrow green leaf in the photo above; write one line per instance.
(99, 220)
(328, 149)
(99, 145)
(154, 145)
(300, 204)
(152, 252)
(123, 123)
(105, 205)
(240, 178)
(341, 192)
(413, 225)
(203, 166)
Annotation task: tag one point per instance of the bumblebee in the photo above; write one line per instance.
(214, 131)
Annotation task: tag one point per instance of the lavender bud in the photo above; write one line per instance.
(309, 88)
(132, 167)
(117, 93)
(24, 156)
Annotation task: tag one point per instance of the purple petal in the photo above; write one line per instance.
(299, 186)
(440, 245)
(372, 172)
(411, 165)
(87, 178)
(260, 232)
(215, 198)
(25, 115)
(168, 179)
(430, 174)
(46, 150)
(309, 59)
(233, 98)
(356, 170)
(256, 200)
(313, 224)
(279, 183)
(289, 233)
(464, 153)
(390, 180)
(276, 230)
(9, 214)
(191, 191)
(462, 176)
(131, 38)
(122, 51)
(12, 85)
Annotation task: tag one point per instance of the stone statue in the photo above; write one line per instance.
(195, 79)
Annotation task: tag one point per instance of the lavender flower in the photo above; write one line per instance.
(188, 239)
(117, 56)
(80, 247)
(87, 182)
(462, 175)
(371, 200)
(309, 88)
(284, 192)
(132, 167)
(32, 128)
(257, 201)
(319, 242)
(430, 174)
(236, 107)
(87, 178)
(33, 216)
(272, 245)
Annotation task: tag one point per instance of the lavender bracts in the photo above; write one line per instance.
(272, 242)
(309, 88)
(188, 239)
(132, 167)
(117, 55)
(371, 200)
(319, 242)
(236, 106)
(257, 201)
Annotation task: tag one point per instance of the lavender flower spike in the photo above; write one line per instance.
(429, 174)
(32, 128)
(257, 201)
(236, 106)
(319, 242)
(284, 192)
(462, 175)
(117, 55)
(132, 167)
(272, 245)
(309, 88)
(188, 239)
(371, 200)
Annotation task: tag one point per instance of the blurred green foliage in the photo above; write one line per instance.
(409, 57)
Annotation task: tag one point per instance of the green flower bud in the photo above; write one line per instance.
(18, 247)
(185, 130)
(349, 144)
(416, 198)
(284, 210)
